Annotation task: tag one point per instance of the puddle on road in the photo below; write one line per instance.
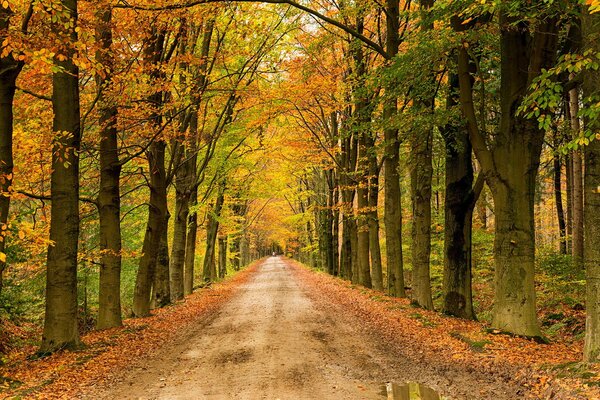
(410, 391)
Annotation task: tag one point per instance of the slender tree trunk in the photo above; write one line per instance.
(7, 93)
(60, 324)
(374, 246)
(190, 245)
(591, 87)
(393, 194)
(222, 256)
(577, 171)
(421, 176)
(158, 187)
(569, 193)
(154, 230)
(559, 202)
(209, 274)
(364, 268)
(458, 210)
(183, 186)
(109, 198)
(336, 237)
(421, 179)
(161, 289)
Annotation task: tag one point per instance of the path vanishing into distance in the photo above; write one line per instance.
(275, 340)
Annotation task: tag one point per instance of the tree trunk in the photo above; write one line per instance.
(458, 210)
(60, 324)
(154, 230)
(364, 268)
(591, 87)
(421, 179)
(511, 167)
(569, 193)
(109, 198)
(559, 203)
(183, 186)
(374, 246)
(421, 176)
(158, 186)
(208, 271)
(577, 181)
(393, 194)
(161, 289)
(190, 245)
(7, 93)
(222, 256)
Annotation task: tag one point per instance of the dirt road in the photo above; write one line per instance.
(271, 341)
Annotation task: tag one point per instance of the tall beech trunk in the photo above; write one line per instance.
(189, 260)
(364, 268)
(208, 271)
(591, 88)
(157, 210)
(361, 123)
(239, 209)
(336, 238)
(186, 223)
(569, 194)
(222, 256)
(184, 184)
(577, 181)
(60, 323)
(109, 197)
(190, 245)
(459, 204)
(161, 288)
(421, 177)
(511, 167)
(560, 213)
(8, 77)
(348, 157)
(374, 247)
(393, 194)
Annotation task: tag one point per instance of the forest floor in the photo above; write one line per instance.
(281, 331)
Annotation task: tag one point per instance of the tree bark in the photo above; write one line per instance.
(511, 167)
(459, 204)
(8, 77)
(161, 288)
(569, 194)
(60, 324)
(154, 230)
(421, 175)
(421, 178)
(190, 245)
(364, 268)
(577, 181)
(109, 198)
(374, 246)
(158, 186)
(184, 184)
(393, 194)
(591, 89)
(208, 271)
(560, 213)
(222, 256)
